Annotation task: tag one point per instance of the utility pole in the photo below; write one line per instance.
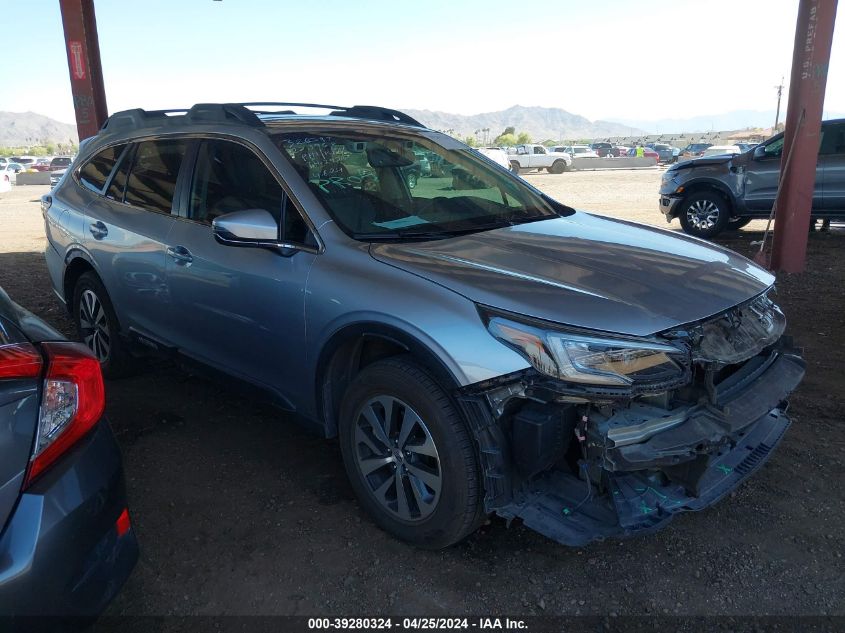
(777, 112)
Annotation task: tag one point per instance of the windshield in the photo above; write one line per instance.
(392, 187)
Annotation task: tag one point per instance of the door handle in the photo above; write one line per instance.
(180, 254)
(98, 230)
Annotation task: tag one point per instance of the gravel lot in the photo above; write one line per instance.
(240, 512)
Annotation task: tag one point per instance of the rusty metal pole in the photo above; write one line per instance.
(810, 60)
(83, 60)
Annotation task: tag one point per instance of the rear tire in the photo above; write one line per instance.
(98, 328)
(558, 167)
(398, 427)
(515, 167)
(704, 214)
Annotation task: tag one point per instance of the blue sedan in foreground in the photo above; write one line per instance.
(66, 542)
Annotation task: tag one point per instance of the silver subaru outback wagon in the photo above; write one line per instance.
(476, 346)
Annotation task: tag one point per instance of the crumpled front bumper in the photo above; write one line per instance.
(690, 465)
(559, 507)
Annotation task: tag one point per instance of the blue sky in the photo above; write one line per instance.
(613, 59)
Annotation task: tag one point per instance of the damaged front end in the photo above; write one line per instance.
(609, 437)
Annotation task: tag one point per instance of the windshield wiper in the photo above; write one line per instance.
(402, 234)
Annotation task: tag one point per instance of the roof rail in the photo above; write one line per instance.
(200, 113)
(377, 113)
(241, 113)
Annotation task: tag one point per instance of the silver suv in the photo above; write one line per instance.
(476, 346)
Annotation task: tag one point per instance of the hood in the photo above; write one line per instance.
(709, 160)
(587, 271)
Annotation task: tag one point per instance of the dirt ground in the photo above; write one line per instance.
(239, 511)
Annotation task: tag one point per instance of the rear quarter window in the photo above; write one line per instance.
(96, 171)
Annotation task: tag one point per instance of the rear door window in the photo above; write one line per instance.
(96, 171)
(152, 180)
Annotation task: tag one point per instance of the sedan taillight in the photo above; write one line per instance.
(19, 361)
(72, 403)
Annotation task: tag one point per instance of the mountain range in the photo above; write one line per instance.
(540, 123)
(733, 120)
(24, 129)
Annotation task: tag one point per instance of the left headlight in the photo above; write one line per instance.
(576, 357)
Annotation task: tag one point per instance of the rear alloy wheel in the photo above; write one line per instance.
(97, 326)
(409, 456)
(704, 214)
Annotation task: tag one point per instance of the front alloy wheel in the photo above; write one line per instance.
(409, 455)
(704, 214)
(398, 459)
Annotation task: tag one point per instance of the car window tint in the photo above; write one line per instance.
(774, 148)
(96, 171)
(833, 140)
(152, 179)
(117, 186)
(229, 177)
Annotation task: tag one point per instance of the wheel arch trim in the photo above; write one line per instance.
(356, 333)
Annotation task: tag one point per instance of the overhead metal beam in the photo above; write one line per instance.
(83, 61)
(810, 61)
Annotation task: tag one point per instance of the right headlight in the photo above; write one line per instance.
(596, 360)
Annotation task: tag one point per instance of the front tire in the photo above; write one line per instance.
(409, 455)
(704, 214)
(98, 328)
(737, 223)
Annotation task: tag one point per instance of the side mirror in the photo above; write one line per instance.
(759, 152)
(250, 227)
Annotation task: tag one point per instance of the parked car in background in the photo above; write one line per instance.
(647, 153)
(56, 176)
(538, 157)
(66, 542)
(7, 177)
(60, 162)
(476, 346)
(3, 161)
(665, 153)
(714, 193)
(719, 150)
(24, 161)
(41, 164)
(693, 150)
(575, 151)
(496, 154)
(603, 149)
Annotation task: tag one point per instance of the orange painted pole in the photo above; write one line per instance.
(83, 60)
(810, 60)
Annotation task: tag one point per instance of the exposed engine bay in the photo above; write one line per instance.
(579, 462)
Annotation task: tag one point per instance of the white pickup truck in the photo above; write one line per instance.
(537, 157)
